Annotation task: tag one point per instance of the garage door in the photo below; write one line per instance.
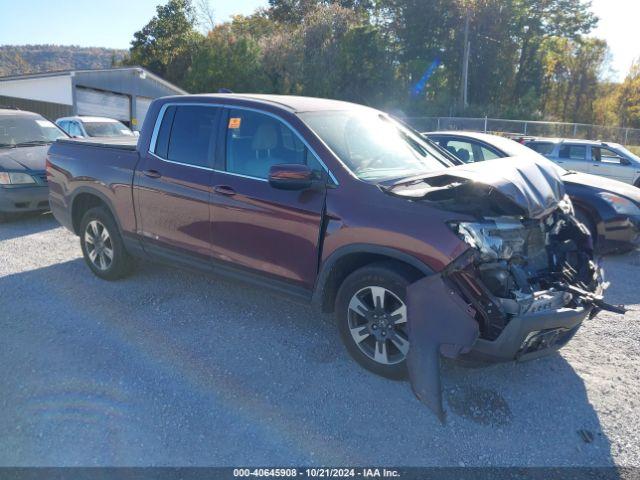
(142, 105)
(103, 104)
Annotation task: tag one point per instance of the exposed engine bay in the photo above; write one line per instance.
(523, 286)
(521, 266)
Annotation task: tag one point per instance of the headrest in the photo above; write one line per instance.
(266, 137)
(463, 155)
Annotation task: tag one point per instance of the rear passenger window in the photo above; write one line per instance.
(541, 148)
(573, 152)
(187, 135)
(461, 149)
(256, 142)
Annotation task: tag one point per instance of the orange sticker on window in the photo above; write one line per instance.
(234, 122)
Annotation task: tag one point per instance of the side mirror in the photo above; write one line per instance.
(290, 176)
(625, 161)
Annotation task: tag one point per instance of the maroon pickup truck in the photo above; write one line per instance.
(342, 205)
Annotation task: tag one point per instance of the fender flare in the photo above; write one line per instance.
(97, 193)
(327, 266)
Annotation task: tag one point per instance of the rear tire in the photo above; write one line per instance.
(102, 245)
(370, 310)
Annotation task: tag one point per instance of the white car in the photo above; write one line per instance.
(93, 127)
(610, 160)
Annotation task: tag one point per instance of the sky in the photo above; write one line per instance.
(111, 23)
(618, 26)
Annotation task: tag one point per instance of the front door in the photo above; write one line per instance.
(173, 182)
(609, 163)
(255, 226)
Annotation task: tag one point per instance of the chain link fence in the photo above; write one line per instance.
(625, 136)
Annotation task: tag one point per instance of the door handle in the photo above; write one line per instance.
(224, 190)
(152, 173)
(595, 165)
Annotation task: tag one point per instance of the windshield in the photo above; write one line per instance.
(21, 130)
(106, 129)
(373, 146)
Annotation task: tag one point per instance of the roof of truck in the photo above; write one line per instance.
(293, 103)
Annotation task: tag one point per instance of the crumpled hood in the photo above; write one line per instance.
(521, 185)
(23, 158)
(603, 183)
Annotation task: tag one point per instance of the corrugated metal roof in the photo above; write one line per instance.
(60, 73)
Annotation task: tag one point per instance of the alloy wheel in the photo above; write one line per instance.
(98, 245)
(377, 322)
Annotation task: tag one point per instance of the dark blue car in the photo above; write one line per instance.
(609, 208)
(24, 140)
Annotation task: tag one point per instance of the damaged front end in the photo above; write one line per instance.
(522, 288)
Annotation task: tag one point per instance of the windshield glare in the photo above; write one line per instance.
(106, 129)
(19, 130)
(373, 146)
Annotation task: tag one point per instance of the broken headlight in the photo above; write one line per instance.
(496, 239)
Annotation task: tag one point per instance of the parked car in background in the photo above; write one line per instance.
(340, 204)
(610, 160)
(609, 208)
(24, 140)
(82, 127)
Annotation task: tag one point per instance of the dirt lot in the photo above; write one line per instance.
(173, 368)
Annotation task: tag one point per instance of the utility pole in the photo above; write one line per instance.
(464, 83)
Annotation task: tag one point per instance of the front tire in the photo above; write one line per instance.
(102, 245)
(371, 314)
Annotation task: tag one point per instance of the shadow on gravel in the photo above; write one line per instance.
(26, 224)
(173, 368)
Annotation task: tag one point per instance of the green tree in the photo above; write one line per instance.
(365, 70)
(165, 44)
(226, 60)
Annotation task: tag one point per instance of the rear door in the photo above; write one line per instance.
(173, 182)
(574, 157)
(255, 226)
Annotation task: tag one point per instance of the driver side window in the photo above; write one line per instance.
(256, 142)
(605, 155)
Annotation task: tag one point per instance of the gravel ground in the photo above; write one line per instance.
(174, 368)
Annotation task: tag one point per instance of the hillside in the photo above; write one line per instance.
(20, 59)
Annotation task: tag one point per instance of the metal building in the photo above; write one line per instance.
(120, 93)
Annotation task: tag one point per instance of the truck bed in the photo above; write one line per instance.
(121, 143)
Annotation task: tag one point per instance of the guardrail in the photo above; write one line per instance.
(626, 136)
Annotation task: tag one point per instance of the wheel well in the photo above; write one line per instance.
(348, 264)
(81, 204)
(585, 216)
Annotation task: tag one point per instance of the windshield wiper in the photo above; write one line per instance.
(7, 145)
